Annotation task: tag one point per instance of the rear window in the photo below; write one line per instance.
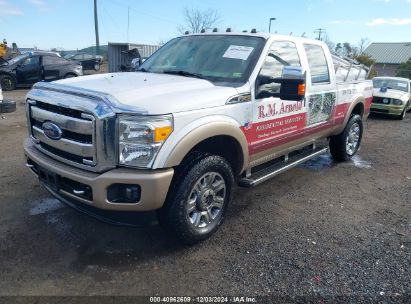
(317, 63)
(48, 60)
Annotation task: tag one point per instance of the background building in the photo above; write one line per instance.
(388, 56)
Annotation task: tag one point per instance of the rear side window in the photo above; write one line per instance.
(317, 63)
(49, 60)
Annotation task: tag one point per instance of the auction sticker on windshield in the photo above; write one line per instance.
(238, 52)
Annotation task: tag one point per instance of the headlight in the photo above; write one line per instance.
(397, 102)
(141, 137)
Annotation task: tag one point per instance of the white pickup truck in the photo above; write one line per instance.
(205, 112)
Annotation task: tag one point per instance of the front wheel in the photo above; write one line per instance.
(346, 144)
(7, 83)
(402, 115)
(198, 198)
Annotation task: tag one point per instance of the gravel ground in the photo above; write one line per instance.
(321, 230)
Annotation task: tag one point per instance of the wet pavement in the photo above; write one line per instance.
(321, 229)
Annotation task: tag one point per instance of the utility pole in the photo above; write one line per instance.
(319, 31)
(128, 24)
(96, 28)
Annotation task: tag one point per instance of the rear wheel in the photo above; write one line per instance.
(198, 198)
(7, 83)
(346, 144)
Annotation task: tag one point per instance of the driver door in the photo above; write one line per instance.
(275, 121)
(28, 72)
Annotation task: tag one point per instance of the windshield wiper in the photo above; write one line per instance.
(185, 73)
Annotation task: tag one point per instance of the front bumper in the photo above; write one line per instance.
(154, 183)
(387, 109)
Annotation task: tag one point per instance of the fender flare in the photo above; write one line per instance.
(174, 151)
(12, 75)
(357, 101)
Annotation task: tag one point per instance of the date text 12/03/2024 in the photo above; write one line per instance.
(203, 299)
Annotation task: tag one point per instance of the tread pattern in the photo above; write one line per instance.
(172, 216)
(338, 142)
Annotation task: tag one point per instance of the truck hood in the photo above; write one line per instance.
(396, 94)
(155, 93)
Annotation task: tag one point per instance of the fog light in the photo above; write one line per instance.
(124, 194)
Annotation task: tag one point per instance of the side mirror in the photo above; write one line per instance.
(292, 83)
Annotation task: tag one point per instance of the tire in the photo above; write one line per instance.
(69, 76)
(7, 83)
(346, 144)
(7, 106)
(402, 115)
(96, 66)
(198, 198)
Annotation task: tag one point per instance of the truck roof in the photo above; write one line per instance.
(258, 34)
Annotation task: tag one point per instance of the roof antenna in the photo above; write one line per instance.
(215, 30)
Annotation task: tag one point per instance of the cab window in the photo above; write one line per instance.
(281, 54)
(31, 61)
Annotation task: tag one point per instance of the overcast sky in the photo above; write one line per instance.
(69, 24)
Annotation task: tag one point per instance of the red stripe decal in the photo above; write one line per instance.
(276, 132)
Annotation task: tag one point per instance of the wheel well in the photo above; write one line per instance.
(358, 109)
(7, 74)
(224, 146)
(70, 73)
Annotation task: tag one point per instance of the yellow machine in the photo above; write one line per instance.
(3, 48)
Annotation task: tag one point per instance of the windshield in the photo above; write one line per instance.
(16, 59)
(393, 84)
(219, 58)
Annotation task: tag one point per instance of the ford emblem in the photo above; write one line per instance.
(51, 130)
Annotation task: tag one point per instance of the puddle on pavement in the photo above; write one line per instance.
(319, 163)
(360, 163)
(45, 205)
(325, 161)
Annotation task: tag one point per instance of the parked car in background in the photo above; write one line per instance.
(27, 69)
(89, 62)
(6, 106)
(391, 96)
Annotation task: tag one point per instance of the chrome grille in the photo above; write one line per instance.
(380, 100)
(77, 143)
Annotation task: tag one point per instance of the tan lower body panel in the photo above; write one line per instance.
(154, 183)
(281, 150)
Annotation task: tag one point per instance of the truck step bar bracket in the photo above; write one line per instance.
(288, 162)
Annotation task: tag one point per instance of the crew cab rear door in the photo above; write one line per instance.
(321, 94)
(53, 67)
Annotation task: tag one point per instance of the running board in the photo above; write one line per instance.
(264, 174)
